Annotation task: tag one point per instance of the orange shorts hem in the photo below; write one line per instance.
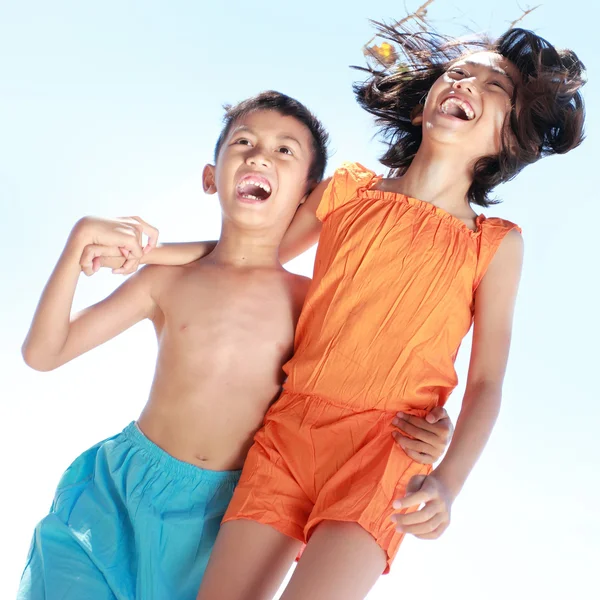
(390, 548)
(286, 527)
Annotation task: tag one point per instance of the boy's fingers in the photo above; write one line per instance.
(91, 253)
(411, 444)
(129, 266)
(416, 431)
(134, 247)
(418, 422)
(437, 414)
(111, 262)
(422, 459)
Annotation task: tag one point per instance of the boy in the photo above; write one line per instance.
(136, 515)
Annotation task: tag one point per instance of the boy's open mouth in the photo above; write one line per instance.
(254, 188)
(455, 107)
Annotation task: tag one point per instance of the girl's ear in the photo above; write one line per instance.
(416, 115)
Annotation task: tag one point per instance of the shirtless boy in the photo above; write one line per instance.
(136, 515)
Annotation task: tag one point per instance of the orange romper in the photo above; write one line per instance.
(390, 302)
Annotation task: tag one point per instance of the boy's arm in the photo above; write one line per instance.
(182, 253)
(54, 337)
(494, 309)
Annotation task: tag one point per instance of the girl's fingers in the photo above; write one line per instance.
(149, 231)
(435, 534)
(419, 516)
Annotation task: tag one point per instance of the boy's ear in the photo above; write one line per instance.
(208, 179)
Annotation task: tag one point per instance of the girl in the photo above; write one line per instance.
(404, 267)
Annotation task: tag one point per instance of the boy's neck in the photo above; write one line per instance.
(440, 177)
(239, 248)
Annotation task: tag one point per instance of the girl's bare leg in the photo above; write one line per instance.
(341, 561)
(249, 562)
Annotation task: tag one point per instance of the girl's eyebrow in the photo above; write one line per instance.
(495, 69)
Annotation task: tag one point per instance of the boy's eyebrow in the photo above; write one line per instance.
(291, 138)
(242, 128)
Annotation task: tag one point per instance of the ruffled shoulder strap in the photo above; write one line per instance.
(493, 231)
(345, 185)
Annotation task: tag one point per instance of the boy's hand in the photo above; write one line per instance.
(119, 239)
(94, 257)
(430, 520)
(429, 436)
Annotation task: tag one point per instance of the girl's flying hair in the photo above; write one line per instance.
(547, 112)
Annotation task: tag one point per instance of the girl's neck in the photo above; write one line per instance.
(441, 178)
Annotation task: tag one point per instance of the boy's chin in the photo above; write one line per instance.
(255, 221)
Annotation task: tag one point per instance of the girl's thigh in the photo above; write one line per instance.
(341, 560)
(249, 562)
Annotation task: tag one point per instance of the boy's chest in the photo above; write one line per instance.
(229, 309)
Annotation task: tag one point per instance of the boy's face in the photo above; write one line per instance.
(468, 105)
(262, 170)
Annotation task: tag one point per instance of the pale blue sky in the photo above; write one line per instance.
(113, 108)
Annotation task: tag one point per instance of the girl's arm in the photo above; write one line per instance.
(305, 228)
(55, 337)
(302, 233)
(494, 309)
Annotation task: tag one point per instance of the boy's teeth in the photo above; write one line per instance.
(259, 184)
(252, 189)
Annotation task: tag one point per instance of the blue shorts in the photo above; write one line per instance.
(128, 521)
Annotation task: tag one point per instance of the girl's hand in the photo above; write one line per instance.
(424, 439)
(431, 519)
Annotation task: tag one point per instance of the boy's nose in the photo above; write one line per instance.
(258, 158)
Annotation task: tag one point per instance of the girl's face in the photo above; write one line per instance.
(466, 107)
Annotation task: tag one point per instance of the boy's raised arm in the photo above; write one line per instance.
(181, 253)
(54, 337)
(302, 233)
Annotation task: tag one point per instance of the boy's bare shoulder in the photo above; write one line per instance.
(159, 277)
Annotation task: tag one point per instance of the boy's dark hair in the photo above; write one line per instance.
(550, 116)
(288, 107)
